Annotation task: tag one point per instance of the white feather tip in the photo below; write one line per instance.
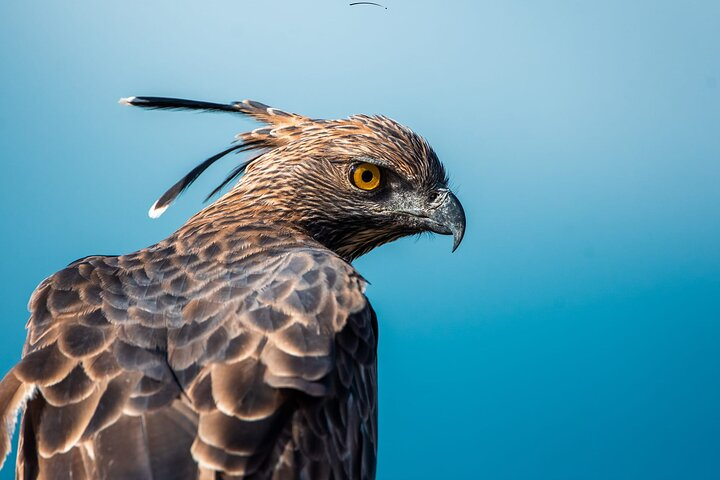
(155, 212)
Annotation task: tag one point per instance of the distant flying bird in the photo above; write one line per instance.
(242, 346)
(368, 3)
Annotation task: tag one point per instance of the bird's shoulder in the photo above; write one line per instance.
(203, 300)
(175, 282)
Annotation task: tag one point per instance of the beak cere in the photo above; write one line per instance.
(448, 218)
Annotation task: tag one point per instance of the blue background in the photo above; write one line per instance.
(574, 335)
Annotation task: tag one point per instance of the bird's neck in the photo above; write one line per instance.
(242, 218)
(246, 212)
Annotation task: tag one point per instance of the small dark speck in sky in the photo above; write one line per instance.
(368, 3)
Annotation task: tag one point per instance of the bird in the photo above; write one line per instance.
(243, 345)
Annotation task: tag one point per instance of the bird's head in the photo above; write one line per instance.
(352, 184)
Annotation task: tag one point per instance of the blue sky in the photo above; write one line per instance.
(575, 332)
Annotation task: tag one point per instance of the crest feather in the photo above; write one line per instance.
(281, 127)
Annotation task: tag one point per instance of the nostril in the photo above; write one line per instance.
(438, 194)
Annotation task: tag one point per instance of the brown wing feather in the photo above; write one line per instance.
(276, 350)
(88, 362)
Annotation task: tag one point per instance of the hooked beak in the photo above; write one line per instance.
(448, 218)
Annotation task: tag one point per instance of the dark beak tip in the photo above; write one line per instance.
(457, 239)
(450, 215)
(458, 235)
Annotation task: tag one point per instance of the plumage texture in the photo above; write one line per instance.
(242, 346)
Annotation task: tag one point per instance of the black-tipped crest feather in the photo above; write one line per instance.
(164, 103)
(172, 193)
(250, 141)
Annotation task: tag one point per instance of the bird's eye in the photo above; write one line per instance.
(366, 176)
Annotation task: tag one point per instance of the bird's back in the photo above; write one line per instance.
(244, 352)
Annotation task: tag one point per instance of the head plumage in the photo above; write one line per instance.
(358, 135)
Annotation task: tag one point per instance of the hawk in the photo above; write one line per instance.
(243, 345)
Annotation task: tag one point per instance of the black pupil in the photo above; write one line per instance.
(367, 176)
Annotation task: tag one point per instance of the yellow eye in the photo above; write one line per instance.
(366, 176)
